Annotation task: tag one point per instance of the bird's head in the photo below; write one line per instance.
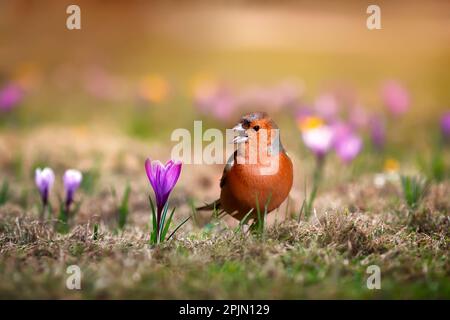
(252, 125)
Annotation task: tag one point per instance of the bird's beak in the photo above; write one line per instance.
(241, 134)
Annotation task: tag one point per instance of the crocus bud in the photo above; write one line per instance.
(44, 179)
(72, 180)
(348, 147)
(377, 132)
(445, 126)
(317, 136)
(327, 106)
(10, 96)
(395, 97)
(163, 179)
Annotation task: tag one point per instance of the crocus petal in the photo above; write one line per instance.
(162, 179)
(217, 101)
(169, 177)
(44, 179)
(341, 130)
(10, 96)
(377, 132)
(72, 180)
(153, 169)
(172, 174)
(319, 139)
(348, 148)
(358, 117)
(445, 125)
(149, 171)
(395, 97)
(327, 106)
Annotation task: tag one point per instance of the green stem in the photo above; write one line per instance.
(316, 181)
(44, 208)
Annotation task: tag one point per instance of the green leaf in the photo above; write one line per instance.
(62, 224)
(50, 210)
(90, 179)
(258, 212)
(95, 235)
(215, 211)
(194, 212)
(77, 207)
(167, 225)
(266, 208)
(438, 166)
(243, 221)
(124, 209)
(178, 227)
(163, 220)
(414, 189)
(302, 209)
(154, 233)
(4, 192)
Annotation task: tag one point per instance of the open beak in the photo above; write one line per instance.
(241, 134)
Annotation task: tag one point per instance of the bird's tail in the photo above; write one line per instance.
(215, 205)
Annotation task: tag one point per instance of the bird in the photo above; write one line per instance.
(258, 176)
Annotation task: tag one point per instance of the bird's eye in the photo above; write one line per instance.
(245, 124)
(256, 128)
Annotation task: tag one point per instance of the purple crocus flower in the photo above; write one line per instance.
(222, 106)
(44, 179)
(396, 97)
(377, 132)
(348, 147)
(10, 96)
(302, 112)
(288, 93)
(340, 131)
(217, 101)
(326, 106)
(103, 85)
(445, 125)
(72, 180)
(163, 179)
(271, 98)
(358, 117)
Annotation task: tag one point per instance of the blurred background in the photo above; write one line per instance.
(110, 94)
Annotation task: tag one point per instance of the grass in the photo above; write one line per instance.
(324, 255)
(323, 258)
(414, 189)
(4, 192)
(123, 209)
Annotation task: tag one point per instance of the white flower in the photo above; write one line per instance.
(318, 139)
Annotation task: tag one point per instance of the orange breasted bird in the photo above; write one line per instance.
(258, 172)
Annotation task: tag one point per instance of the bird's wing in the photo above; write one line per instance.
(227, 168)
(216, 205)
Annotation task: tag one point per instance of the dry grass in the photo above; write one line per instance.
(356, 224)
(325, 257)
